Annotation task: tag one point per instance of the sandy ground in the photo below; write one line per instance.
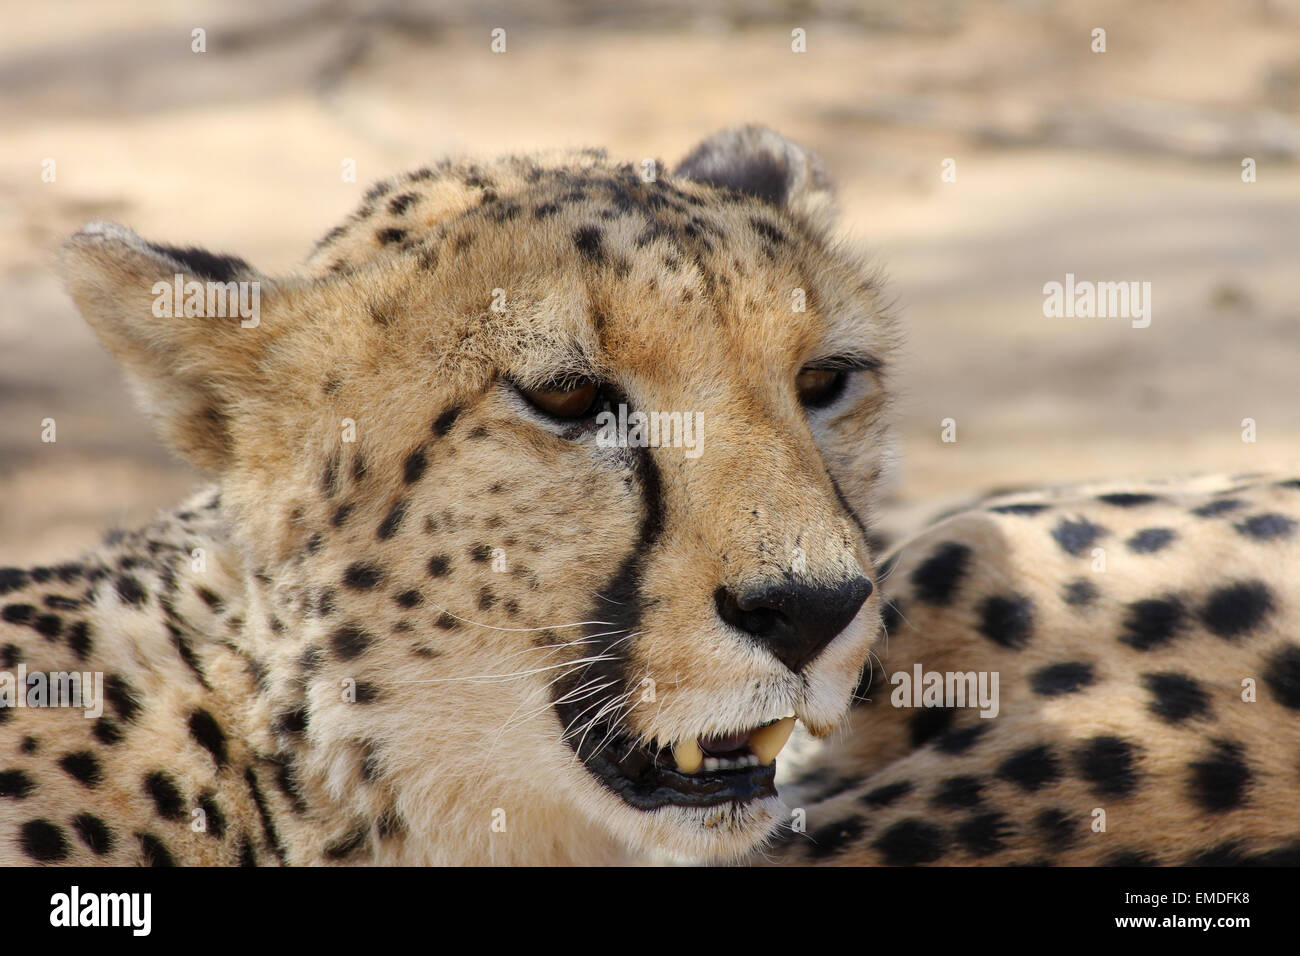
(1117, 165)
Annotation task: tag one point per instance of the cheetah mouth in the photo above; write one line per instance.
(704, 771)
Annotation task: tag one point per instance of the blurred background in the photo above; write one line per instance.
(1122, 165)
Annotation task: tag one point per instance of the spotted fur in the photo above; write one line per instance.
(1145, 635)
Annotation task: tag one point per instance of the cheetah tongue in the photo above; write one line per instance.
(764, 743)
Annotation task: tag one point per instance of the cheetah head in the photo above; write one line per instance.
(563, 465)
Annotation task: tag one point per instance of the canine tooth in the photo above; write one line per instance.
(766, 742)
(688, 756)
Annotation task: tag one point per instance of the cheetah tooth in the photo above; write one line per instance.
(766, 742)
(688, 755)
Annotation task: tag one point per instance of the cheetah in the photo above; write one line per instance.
(460, 591)
(1144, 640)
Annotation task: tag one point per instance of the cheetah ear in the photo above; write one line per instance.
(758, 162)
(188, 370)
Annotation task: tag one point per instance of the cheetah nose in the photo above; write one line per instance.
(793, 621)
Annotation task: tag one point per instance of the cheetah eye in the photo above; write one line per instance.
(569, 401)
(819, 387)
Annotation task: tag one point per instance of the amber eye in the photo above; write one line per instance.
(575, 401)
(818, 387)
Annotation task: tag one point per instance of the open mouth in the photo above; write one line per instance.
(700, 772)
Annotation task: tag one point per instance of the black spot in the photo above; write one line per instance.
(153, 852)
(211, 599)
(984, 835)
(1213, 509)
(214, 819)
(208, 734)
(83, 767)
(768, 231)
(408, 599)
(1007, 620)
(930, 722)
(1149, 540)
(1109, 763)
(835, 837)
(937, 578)
(910, 842)
(486, 600)
(11, 579)
(107, 731)
(350, 642)
(79, 640)
(1076, 537)
(961, 791)
(1282, 675)
(446, 622)
(413, 467)
(362, 576)
(340, 515)
(1176, 697)
(1267, 526)
(292, 721)
(366, 693)
(129, 590)
(49, 626)
(29, 745)
(247, 857)
(480, 554)
(347, 845)
(166, 795)
(399, 204)
(439, 565)
(1031, 768)
(889, 793)
(392, 521)
(588, 241)
(390, 235)
(1152, 623)
(442, 424)
(1064, 678)
(15, 784)
(95, 833)
(1057, 828)
(268, 825)
(43, 841)
(1026, 508)
(961, 740)
(17, 613)
(1221, 780)
(1234, 610)
(122, 696)
(10, 655)
(1125, 499)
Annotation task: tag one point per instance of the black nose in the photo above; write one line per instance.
(793, 621)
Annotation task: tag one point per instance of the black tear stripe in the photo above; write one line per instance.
(624, 611)
(848, 508)
(263, 811)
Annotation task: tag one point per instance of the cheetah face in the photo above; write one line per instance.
(567, 468)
